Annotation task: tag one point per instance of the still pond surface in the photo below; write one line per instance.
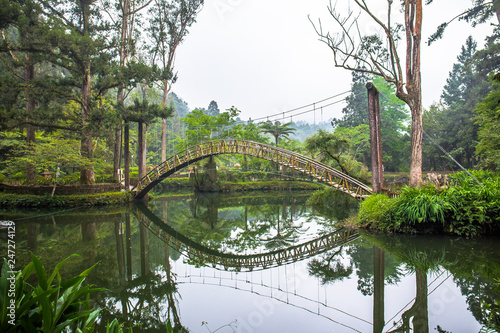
(263, 262)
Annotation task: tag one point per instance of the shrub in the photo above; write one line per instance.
(477, 206)
(377, 212)
(422, 207)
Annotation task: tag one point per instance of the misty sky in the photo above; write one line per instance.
(264, 57)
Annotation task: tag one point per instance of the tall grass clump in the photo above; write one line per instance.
(418, 209)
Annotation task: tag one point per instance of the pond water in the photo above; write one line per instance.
(263, 262)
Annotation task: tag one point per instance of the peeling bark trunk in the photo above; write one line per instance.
(413, 27)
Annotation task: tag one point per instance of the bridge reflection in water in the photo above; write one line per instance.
(241, 272)
(234, 262)
(271, 275)
(285, 291)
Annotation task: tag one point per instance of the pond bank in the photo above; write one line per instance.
(33, 201)
(466, 207)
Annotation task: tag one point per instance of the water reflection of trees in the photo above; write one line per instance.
(145, 297)
(474, 264)
(239, 223)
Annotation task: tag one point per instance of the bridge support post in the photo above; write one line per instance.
(211, 170)
(375, 138)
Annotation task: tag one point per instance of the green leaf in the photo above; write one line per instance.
(58, 267)
(40, 272)
(47, 313)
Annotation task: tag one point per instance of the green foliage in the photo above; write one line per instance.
(201, 127)
(422, 205)
(45, 201)
(465, 208)
(340, 148)
(333, 204)
(477, 206)
(488, 119)
(277, 129)
(376, 211)
(51, 305)
(393, 122)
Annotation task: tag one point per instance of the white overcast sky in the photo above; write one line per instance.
(264, 57)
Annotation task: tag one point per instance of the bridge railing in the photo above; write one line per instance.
(307, 165)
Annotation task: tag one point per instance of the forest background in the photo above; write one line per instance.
(86, 90)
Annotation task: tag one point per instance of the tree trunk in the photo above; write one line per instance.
(142, 132)
(29, 74)
(166, 90)
(117, 152)
(421, 317)
(378, 290)
(87, 175)
(375, 138)
(120, 95)
(126, 155)
(141, 154)
(413, 27)
(163, 140)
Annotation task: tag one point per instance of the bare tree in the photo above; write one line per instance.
(169, 26)
(378, 54)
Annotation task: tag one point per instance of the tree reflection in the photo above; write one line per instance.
(329, 267)
(146, 300)
(474, 264)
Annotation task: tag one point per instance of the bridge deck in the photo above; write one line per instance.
(319, 171)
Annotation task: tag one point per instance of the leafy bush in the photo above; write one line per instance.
(466, 208)
(477, 206)
(52, 305)
(377, 211)
(422, 206)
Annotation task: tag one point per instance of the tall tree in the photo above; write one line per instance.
(453, 123)
(78, 35)
(369, 55)
(213, 109)
(127, 12)
(23, 20)
(168, 28)
(488, 118)
(277, 129)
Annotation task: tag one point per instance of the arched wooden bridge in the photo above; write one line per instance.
(306, 165)
(205, 256)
